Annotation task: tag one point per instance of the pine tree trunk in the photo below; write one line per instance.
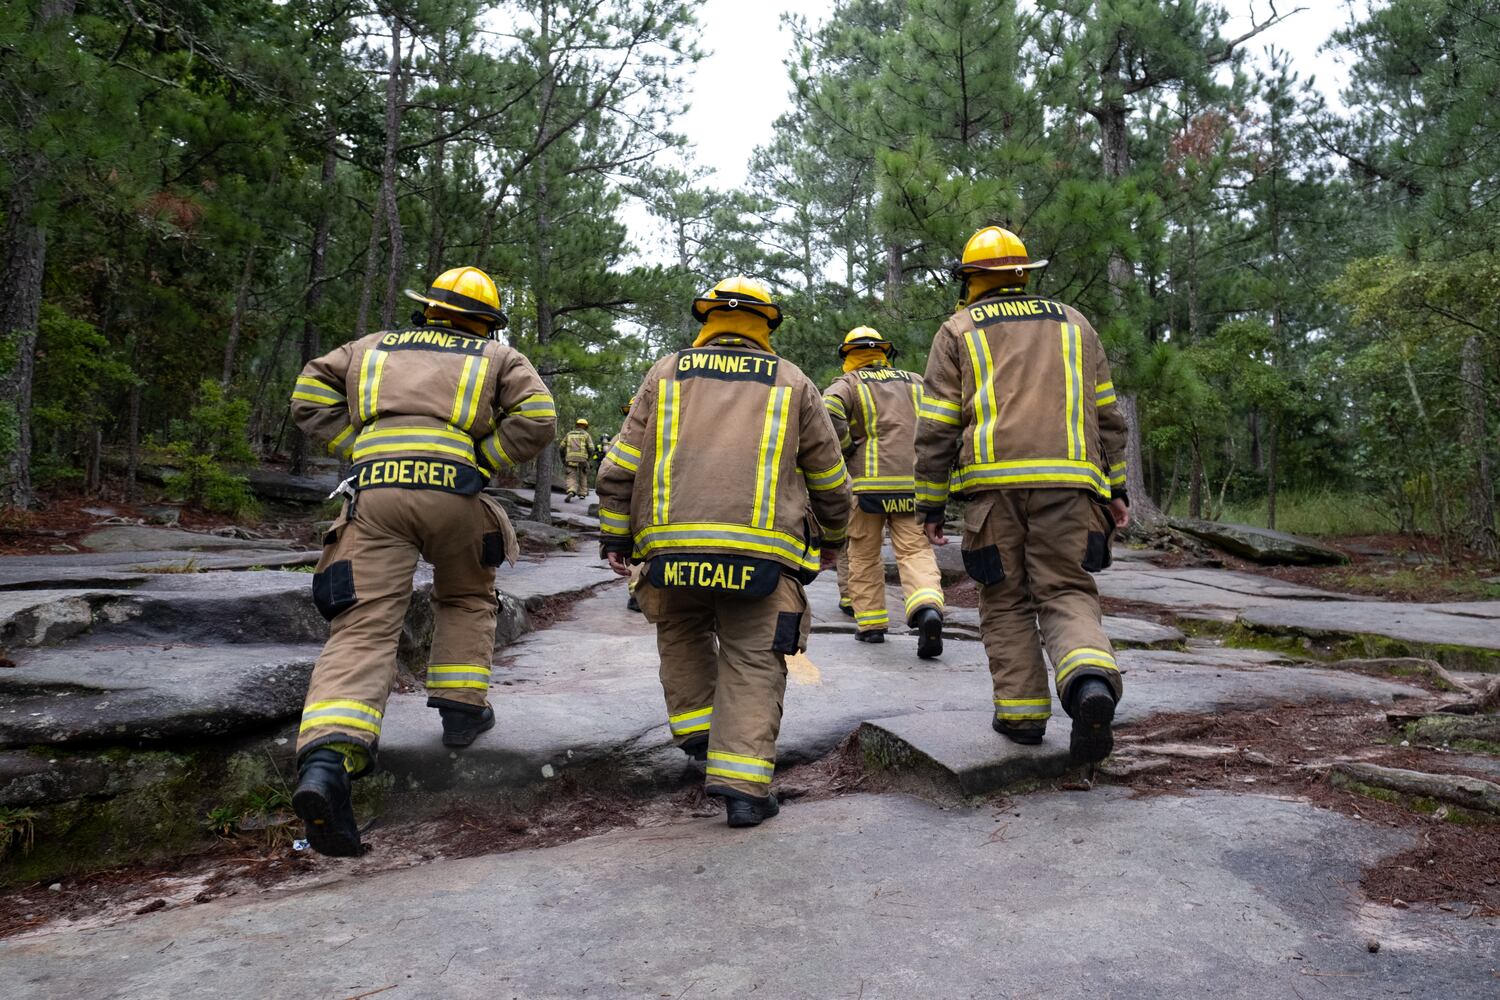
(133, 442)
(436, 168)
(541, 503)
(396, 250)
(1195, 481)
(21, 276)
(237, 319)
(1273, 431)
(1115, 152)
(316, 265)
(894, 266)
(1482, 536)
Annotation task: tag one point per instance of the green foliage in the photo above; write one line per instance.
(214, 434)
(17, 827)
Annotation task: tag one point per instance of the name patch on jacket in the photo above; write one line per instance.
(887, 503)
(418, 474)
(882, 375)
(1010, 310)
(728, 366)
(738, 575)
(445, 341)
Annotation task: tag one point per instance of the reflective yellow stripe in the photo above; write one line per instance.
(986, 409)
(833, 536)
(314, 390)
(466, 399)
(768, 464)
(885, 484)
(687, 723)
(940, 410)
(1072, 349)
(494, 453)
(871, 428)
(371, 370)
(835, 406)
(878, 619)
(458, 675)
(828, 479)
(341, 713)
(612, 523)
(1023, 709)
(338, 446)
(375, 440)
(1117, 474)
(535, 407)
(707, 536)
(927, 596)
(668, 410)
(1031, 471)
(729, 765)
(1085, 657)
(930, 492)
(1104, 394)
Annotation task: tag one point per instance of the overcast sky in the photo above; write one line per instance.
(742, 79)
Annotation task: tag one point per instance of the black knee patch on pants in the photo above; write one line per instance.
(788, 636)
(983, 565)
(333, 589)
(492, 549)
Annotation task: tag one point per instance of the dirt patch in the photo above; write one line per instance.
(1290, 750)
(963, 594)
(63, 521)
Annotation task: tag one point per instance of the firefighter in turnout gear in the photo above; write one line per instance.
(577, 451)
(727, 482)
(427, 415)
(1019, 408)
(874, 411)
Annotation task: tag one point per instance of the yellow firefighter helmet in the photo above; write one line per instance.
(466, 290)
(581, 422)
(738, 292)
(866, 336)
(996, 249)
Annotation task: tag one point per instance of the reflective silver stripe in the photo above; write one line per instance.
(317, 391)
(536, 406)
(986, 409)
(371, 369)
(470, 386)
(624, 456)
(493, 453)
(1072, 338)
(691, 722)
(928, 492)
(872, 430)
(978, 474)
(368, 445)
(612, 523)
(835, 406)
(832, 479)
(734, 766)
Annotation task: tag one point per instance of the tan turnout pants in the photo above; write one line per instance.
(915, 562)
(723, 672)
(364, 579)
(845, 601)
(1027, 548)
(578, 478)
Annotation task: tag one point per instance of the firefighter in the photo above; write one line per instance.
(1019, 408)
(874, 410)
(577, 451)
(726, 482)
(427, 415)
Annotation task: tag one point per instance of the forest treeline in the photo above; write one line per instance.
(1300, 297)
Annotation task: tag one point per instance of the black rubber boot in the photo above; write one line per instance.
(929, 625)
(696, 747)
(322, 802)
(1027, 736)
(847, 609)
(1093, 713)
(875, 635)
(460, 727)
(747, 811)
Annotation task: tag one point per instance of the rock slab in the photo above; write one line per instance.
(1271, 548)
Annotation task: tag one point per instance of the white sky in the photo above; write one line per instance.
(741, 86)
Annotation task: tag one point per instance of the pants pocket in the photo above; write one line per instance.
(492, 549)
(1096, 553)
(498, 543)
(333, 589)
(788, 637)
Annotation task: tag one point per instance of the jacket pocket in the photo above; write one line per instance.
(333, 589)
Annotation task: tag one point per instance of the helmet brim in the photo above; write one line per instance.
(454, 302)
(769, 311)
(982, 266)
(855, 345)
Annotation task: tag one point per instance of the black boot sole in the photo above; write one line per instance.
(324, 835)
(1093, 737)
(930, 640)
(874, 638)
(467, 737)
